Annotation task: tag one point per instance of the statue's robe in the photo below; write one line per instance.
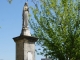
(25, 17)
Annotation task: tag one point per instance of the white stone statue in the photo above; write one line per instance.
(25, 30)
(25, 15)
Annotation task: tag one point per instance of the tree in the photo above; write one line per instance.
(10, 1)
(57, 25)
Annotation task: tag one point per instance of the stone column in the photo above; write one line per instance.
(25, 47)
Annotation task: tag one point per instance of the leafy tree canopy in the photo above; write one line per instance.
(57, 24)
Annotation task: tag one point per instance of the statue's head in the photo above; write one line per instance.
(25, 8)
(26, 4)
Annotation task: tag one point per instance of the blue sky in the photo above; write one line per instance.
(11, 25)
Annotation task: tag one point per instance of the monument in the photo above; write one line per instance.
(25, 43)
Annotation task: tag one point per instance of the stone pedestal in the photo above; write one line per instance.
(25, 47)
(25, 31)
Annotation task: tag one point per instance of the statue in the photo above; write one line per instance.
(25, 15)
(25, 30)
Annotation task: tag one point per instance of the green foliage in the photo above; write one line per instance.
(10, 1)
(57, 25)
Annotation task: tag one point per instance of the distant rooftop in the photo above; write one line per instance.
(45, 59)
